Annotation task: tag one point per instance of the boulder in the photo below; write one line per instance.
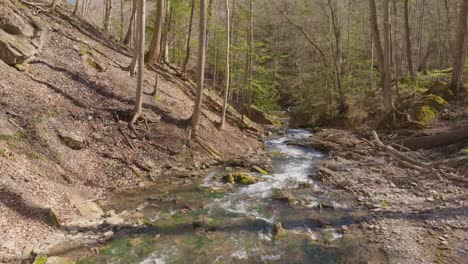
(240, 178)
(71, 139)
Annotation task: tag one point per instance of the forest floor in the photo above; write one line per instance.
(60, 90)
(414, 216)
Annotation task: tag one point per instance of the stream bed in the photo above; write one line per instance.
(217, 222)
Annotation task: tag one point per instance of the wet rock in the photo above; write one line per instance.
(278, 231)
(244, 178)
(71, 139)
(344, 229)
(285, 196)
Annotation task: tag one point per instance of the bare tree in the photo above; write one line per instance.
(76, 7)
(228, 68)
(460, 48)
(129, 34)
(409, 58)
(155, 46)
(189, 35)
(107, 14)
(200, 69)
(137, 112)
(387, 82)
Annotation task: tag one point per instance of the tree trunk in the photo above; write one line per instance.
(165, 36)
(434, 141)
(200, 67)
(136, 37)
(141, 62)
(121, 20)
(76, 7)
(228, 73)
(376, 38)
(460, 49)
(108, 14)
(189, 36)
(129, 34)
(155, 46)
(387, 82)
(409, 58)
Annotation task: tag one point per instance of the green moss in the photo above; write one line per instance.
(434, 101)
(426, 113)
(465, 151)
(41, 259)
(441, 89)
(16, 136)
(240, 178)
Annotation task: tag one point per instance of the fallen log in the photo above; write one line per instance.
(433, 141)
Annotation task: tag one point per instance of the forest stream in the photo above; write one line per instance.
(218, 222)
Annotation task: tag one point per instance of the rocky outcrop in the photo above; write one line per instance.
(21, 36)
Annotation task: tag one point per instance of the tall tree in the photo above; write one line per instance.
(228, 68)
(76, 7)
(107, 14)
(387, 82)
(155, 46)
(189, 36)
(137, 112)
(376, 38)
(460, 48)
(129, 34)
(409, 59)
(200, 69)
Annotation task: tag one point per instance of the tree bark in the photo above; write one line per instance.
(409, 58)
(129, 34)
(53, 5)
(201, 69)
(460, 49)
(387, 82)
(189, 36)
(76, 7)
(376, 39)
(155, 46)
(108, 14)
(228, 68)
(141, 62)
(434, 141)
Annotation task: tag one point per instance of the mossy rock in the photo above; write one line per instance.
(434, 101)
(426, 113)
(41, 259)
(244, 178)
(441, 89)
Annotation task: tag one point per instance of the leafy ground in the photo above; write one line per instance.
(63, 89)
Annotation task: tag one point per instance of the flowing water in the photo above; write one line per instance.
(218, 222)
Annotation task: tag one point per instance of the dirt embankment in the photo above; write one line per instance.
(417, 215)
(76, 91)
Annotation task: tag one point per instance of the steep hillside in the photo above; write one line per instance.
(76, 90)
